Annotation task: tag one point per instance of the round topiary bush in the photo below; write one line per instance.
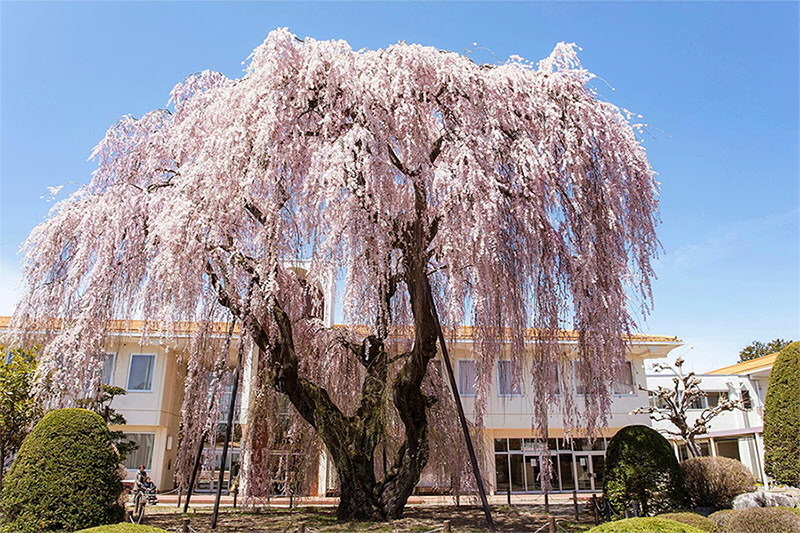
(645, 525)
(763, 520)
(721, 518)
(641, 467)
(64, 478)
(782, 418)
(693, 519)
(713, 482)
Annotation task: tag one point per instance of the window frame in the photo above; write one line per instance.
(152, 377)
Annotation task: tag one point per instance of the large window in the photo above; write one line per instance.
(143, 454)
(623, 381)
(140, 376)
(466, 377)
(709, 400)
(108, 368)
(505, 379)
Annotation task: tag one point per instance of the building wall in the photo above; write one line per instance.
(156, 411)
(736, 434)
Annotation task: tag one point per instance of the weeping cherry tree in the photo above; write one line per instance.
(503, 197)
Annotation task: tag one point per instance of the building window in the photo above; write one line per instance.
(108, 368)
(143, 454)
(140, 376)
(466, 377)
(747, 402)
(623, 381)
(505, 379)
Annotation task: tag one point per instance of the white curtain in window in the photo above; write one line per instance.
(505, 379)
(141, 375)
(108, 369)
(623, 381)
(466, 376)
(143, 454)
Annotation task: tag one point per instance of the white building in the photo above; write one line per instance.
(736, 434)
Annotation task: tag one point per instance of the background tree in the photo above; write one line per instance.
(673, 403)
(101, 404)
(18, 407)
(782, 418)
(500, 196)
(758, 349)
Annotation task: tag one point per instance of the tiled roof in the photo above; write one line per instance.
(462, 333)
(747, 367)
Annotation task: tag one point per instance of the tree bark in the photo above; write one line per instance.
(352, 440)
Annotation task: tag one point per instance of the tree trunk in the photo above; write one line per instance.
(693, 448)
(352, 440)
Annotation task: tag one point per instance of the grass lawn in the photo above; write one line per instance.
(417, 519)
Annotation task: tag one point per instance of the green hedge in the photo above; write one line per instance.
(693, 519)
(641, 466)
(65, 477)
(123, 528)
(645, 525)
(782, 418)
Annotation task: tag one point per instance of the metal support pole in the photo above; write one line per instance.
(193, 477)
(470, 449)
(547, 503)
(228, 431)
(508, 494)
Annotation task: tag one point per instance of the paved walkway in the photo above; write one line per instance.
(202, 499)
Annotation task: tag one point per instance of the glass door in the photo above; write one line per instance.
(589, 470)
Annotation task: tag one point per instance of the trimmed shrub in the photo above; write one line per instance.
(721, 518)
(782, 418)
(123, 528)
(64, 478)
(714, 482)
(641, 467)
(645, 525)
(763, 520)
(693, 519)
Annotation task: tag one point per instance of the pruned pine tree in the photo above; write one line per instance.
(498, 196)
(673, 403)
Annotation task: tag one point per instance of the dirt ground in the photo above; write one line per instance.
(417, 519)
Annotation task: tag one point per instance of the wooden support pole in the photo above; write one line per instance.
(228, 431)
(575, 502)
(547, 503)
(195, 468)
(551, 524)
(464, 426)
(185, 525)
(446, 527)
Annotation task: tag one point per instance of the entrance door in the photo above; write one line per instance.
(533, 468)
(589, 470)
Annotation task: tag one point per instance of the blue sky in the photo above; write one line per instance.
(717, 83)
